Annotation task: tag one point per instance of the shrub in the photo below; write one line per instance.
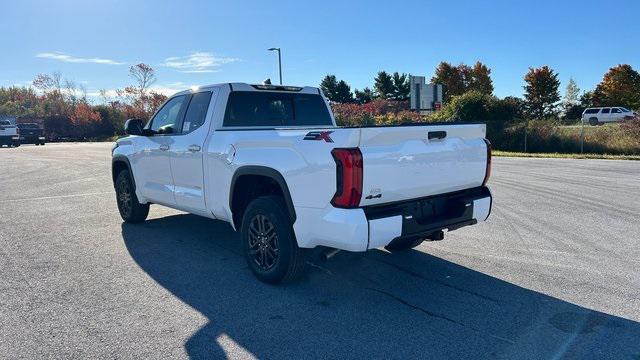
(376, 112)
(547, 136)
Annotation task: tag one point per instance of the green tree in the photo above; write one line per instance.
(587, 99)
(343, 93)
(620, 86)
(480, 79)
(541, 92)
(364, 96)
(571, 108)
(571, 93)
(401, 86)
(383, 85)
(515, 105)
(329, 87)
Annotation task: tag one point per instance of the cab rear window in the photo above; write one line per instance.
(254, 108)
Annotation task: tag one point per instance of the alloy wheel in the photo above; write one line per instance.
(263, 242)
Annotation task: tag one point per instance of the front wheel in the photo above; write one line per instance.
(268, 241)
(130, 209)
(593, 121)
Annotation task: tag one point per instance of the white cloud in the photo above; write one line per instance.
(197, 62)
(168, 90)
(74, 59)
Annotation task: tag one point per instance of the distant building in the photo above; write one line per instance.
(423, 97)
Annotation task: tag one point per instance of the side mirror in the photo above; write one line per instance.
(134, 127)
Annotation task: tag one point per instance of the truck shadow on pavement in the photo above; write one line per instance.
(373, 305)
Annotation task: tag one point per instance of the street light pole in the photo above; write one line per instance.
(279, 62)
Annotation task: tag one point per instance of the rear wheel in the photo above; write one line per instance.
(130, 209)
(268, 241)
(401, 244)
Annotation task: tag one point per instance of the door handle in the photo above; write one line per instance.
(194, 148)
(164, 147)
(436, 135)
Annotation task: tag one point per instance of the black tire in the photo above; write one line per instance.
(269, 243)
(593, 121)
(403, 244)
(130, 209)
(16, 145)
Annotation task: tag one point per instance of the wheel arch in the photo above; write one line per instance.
(255, 177)
(119, 163)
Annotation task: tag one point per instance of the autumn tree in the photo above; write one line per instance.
(460, 79)
(144, 75)
(480, 79)
(58, 93)
(541, 92)
(620, 86)
(138, 100)
(383, 85)
(452, 79)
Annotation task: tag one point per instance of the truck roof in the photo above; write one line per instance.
(238, 86)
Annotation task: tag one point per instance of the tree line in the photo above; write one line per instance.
(63, 106)
(620, 86)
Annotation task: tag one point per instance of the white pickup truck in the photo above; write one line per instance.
(8, 134)
(271, 161)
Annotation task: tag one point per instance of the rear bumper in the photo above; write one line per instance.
(31, 139)
(376, 226)
(9, 139)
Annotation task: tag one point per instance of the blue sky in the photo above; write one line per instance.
(203, 42)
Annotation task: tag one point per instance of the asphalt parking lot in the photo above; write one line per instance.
(555, 273)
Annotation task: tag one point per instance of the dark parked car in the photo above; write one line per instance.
(31, 134)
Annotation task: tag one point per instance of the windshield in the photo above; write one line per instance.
(624, 109)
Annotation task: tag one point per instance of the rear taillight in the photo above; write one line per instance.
(348, 177)
(487, 172)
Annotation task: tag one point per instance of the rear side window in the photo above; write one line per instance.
(605, 111)
(196, 112)
(5, 123)
(253, 108)
(592, 111)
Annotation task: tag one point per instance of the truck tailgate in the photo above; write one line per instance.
(409, 162)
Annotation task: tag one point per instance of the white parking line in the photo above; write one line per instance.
(56, 197)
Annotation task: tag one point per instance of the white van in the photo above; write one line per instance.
(600, 115)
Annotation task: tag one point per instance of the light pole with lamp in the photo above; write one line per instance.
(279, 62)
